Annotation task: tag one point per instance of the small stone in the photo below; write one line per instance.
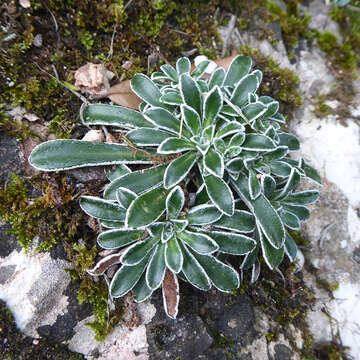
(25, 3)
(38, 40)
(94, 135)
(127, 65)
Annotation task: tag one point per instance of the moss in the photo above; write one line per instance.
(342, 56)
(14, 345)
(349, 23)
(40, 216)
(95, 293)
(281, 84)
(293, 24)
(323, 284)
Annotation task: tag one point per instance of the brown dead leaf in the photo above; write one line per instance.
(93, 79)
(121, 94)
(225, 62)
(111, 139)
(170, 290)
(105, 263)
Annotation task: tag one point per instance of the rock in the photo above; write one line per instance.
(281, 350)
(186, 337)
(122, 344)
(320, 19)
(331, 255)
(38, 41)
(9, 154)
(28, 288)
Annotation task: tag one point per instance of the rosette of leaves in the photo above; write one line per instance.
(174, 245)
(217, 140)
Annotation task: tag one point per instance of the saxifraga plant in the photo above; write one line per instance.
(211, 175)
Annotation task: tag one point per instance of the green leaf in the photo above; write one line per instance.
(137, 181)
(224, 277)
(57, 155)
(257, 142)
(214, 163)
(193, 271)
(179, 168)
(290, 247)
(114, 239)
(173, 256)
(112, 224)
(165, 120)
(290, 141)
(241, 221)
(269, 221)
(175, 202)
(126, 278)
(217, 78)
(170, 72)
(220, 194)
(167, 232)
(311, 173)
(266, 216)
(239, 67)
(212, 106)
(190, 92)
(171, 98)
(272, 256)
(203, 215)
(259, 75)
(147, 208)
(155, 271)
(118, 171)
(200, 69)
(125, 197)
(147, 137)
(279, 118)
(183, 65)
(146, 89)
(191, 119)
(138, 251)
(254, 111)
(175, 145)
(156, 229)
(202, 244)
(278, 153)
(112, 115)
(280, 168)
(268, 185)
(247, 85)
(302, 212)
(302, 198)
(250, 259)
(202, 196)
(272, 109)
(141, 291)
(291, 184)
(229, 128)
(231, 243)
(254, 185)
(180, 225)
(101, 209)
(237, 139)
(289, 219)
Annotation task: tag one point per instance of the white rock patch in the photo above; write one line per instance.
(33, 292)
